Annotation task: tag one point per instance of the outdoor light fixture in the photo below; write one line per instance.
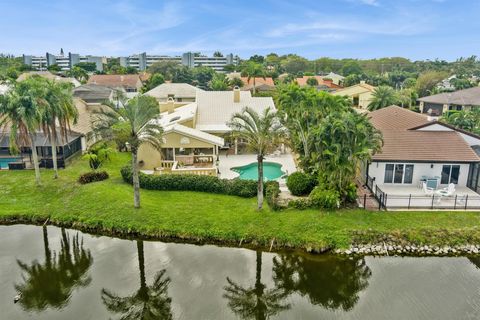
(431, 166)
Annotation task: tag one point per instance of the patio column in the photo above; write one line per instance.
(173, 154)
(236, 145)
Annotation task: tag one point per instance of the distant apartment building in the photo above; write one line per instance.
(142, 61)
(65, 62)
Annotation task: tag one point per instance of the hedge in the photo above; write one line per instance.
(93, 177)
(191, 182)
(300, 184)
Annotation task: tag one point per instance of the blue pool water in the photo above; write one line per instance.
(271, 171)
(5, 161)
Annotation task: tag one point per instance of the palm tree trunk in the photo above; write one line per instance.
(35, 159)
(48, 253)
(260, 182)
(53, 142)
(141, 265)
(136, 182)
(254, 89)
(261, 308)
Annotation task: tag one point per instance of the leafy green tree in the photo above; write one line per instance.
(79, 74)
(183, 75)
(351, 67)
(155, 80)
(461, 84)
(312, 82)
(236, 82)
(382, 97)
(202, 76)
(468, 120)
(219, 82)
(20, 114)
(217, 54)
(257, 59)
(230, 68)
(295, 64)
(87, 66)
(427, 81)
(148, 302)
(167, 68)
(140, 114)
(55, 68)
(255, 302)
(262, 133)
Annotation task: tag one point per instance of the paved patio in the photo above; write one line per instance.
(227, 162)
(413, 197)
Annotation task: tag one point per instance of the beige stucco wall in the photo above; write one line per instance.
(364, 95)
(164, 108)
(150, 156)
(364, 100)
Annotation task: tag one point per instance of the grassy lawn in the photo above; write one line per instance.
(108, 206)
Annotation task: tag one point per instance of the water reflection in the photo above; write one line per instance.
(255, 302)
(148, 302)
(50, 284)
(332, 282)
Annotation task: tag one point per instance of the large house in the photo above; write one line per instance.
(361, 94)
(437, 104)
(416, 149)
(181, 93)
(194, 132)
(124, 82)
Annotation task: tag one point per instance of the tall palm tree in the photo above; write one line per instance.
(262, 133)
(20, 115)
(383, 96)
(141, 114)
(255, 302)
(57, 115)
(148, 302)
(253, 70)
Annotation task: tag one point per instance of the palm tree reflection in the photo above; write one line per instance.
(329, 281)
(148, 302)
(255, 302)
(50, 284)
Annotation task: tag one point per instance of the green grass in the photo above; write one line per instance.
(107, 207)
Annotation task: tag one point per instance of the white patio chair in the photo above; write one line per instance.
(448, 191)
(427, 190)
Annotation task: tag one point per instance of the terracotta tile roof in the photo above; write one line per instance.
(394, 118)
(466, 97)
(403, 143)
(435, 146)
(321, 82)
(116, 80)
(258, 81)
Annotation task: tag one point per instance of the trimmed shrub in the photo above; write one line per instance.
(351, 193)
(300, 184)
(272, 191)
(93, 176)
(300, 204)
(323, 198)
(191, 182)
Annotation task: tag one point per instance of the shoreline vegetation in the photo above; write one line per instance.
(105, 208)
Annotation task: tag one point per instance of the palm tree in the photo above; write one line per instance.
(147, 303)
(141, 114)
(255, 302)
(262, 133)
(21, 116)
(382, 97)
(253, 70)
(57, 115)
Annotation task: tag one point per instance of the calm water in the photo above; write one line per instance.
(64, 274)
(271, 171)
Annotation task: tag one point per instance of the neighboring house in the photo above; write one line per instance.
(361, 94)
(193, 133)
(437, 104)
(126, 82)
(336, 78)
(50, 76)
(416, 148)
(88, 99)
(67, 147)
(324, 84)
(261, 84)
(181, 93)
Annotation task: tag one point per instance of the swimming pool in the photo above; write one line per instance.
(5, 161)
(271, 171)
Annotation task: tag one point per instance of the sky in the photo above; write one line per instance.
(415, 29)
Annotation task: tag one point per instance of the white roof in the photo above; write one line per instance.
(178, 90)
(215, 108)
(180, 114)
(194, 133)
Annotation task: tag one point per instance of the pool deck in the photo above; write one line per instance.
(227, 162)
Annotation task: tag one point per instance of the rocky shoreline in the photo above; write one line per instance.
(391, 249)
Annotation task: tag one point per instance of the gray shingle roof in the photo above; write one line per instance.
(466, 97)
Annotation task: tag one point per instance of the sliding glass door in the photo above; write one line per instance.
(398, 173)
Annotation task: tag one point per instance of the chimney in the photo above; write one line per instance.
(362, 82)
(236, 94)
(170, 105)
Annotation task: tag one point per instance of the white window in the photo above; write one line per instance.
(398, 173)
